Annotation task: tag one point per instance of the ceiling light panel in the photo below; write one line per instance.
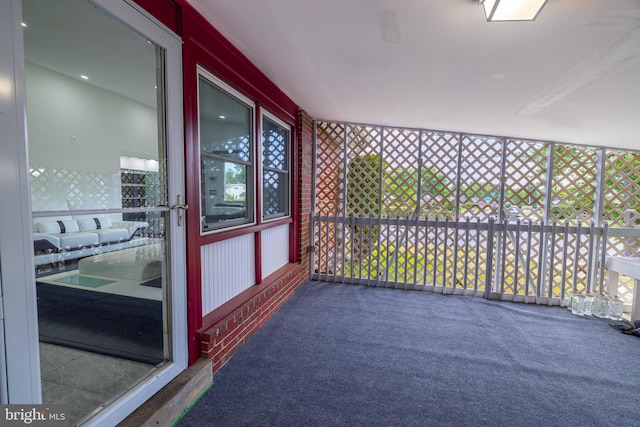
(512, 10)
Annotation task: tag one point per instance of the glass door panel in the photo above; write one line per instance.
(97, 162)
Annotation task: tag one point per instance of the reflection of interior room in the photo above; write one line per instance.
(94, 168)
(99, 276)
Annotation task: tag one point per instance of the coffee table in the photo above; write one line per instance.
(139, 264)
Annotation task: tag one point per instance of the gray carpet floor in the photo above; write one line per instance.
(348, 355)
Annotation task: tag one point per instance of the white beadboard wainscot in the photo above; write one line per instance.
(227, 270)
(275, 249)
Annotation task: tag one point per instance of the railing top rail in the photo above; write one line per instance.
(477, 224)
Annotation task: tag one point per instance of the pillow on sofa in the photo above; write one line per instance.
(97, 223)
(58, 227)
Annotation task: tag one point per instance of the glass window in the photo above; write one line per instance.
(226, 159)
(275, 168)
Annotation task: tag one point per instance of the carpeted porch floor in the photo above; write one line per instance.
(345, 355)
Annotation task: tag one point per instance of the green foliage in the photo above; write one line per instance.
(233, 174)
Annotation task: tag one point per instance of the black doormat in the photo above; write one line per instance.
(113, 325)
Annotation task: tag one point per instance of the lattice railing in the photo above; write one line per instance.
(458, 175)
(386, 173)
(621, 208)
(498, 260)
(401, 156)
(525, 167)
(573, 184)
(438, 182)
(480, 174)
(330, 167)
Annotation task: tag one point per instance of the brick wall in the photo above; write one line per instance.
(223, 339)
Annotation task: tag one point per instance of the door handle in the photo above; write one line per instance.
(181, 208)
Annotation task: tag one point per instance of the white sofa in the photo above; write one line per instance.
(66, 237)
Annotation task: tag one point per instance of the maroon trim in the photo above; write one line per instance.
(204, 45)
(258, 163)
(258, 256)
(294, 232)
(257, 247)
(165, 11)
(224, 235)
(192, 176)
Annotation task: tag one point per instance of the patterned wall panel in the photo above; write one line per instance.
(481, 159)
(330, 168)
(80, 189)
(574, 183)
(224, 270)
(275, 249)
(438, 181)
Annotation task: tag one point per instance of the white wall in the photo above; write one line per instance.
(275, 249)
(103, 123)
(227, 270)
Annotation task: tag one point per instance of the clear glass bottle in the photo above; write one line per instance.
(577, 304)
(614, 308)
(600, 306)
(588, 303)
(569, 298)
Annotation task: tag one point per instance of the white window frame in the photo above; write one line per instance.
(250, 200)
(287, 214)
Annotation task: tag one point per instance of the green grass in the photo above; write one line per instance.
(410, 264)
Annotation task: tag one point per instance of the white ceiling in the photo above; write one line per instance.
(571, 76)
(73, 37)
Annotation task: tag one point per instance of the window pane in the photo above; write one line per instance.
(275, 193)
(275, 160)
(226, 146)
(225, 123)
(275, 141)
(224, 193)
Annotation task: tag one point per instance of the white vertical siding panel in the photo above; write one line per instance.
(227, 270)
(275, 249)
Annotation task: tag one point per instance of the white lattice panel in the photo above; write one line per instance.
(80, 189)
(330, 167)
(400, 154)
(573, 185)
(525, 175)
(439, 174)
(621, 208)
(480, 176)
(364, 171)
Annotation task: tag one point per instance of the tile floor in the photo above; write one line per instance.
(85, 380)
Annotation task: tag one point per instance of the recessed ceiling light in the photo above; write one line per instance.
(512, 10)
(24, 25)
(223, 117)
(82, 76)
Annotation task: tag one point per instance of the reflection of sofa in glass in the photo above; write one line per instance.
(225, 211)
(66, 237)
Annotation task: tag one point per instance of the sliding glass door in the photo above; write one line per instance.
(104, 173)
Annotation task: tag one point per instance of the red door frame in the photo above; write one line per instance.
(203, 45)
